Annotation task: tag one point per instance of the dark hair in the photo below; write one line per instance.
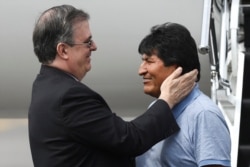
(54, 26)
(174, 45)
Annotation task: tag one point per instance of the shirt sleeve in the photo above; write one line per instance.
(212, 139)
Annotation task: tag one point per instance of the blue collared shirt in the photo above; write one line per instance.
(203, 139)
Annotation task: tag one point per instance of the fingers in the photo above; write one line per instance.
(188, 80)
(176, 87)
(186, 83)
(192, 75)
(175, 74)
(171, 79)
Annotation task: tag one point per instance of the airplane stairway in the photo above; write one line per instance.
(244, 137)
(225, 38)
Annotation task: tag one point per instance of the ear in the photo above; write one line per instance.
(62, 50)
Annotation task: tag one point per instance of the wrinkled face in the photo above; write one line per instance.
(154, 72)
(79, 54)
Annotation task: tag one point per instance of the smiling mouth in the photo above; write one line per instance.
(146, 80)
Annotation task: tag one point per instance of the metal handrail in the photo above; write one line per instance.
(204, 43)
(223, 40)
(234, 25)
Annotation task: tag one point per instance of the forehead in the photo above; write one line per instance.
(81, 30)
(150, 57)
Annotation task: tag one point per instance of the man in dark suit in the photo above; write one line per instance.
(71, 125)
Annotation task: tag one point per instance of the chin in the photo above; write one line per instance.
(88, 69)
(153, 94)
(150, 93)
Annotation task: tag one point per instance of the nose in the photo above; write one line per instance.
(93, 46)
(142, 69)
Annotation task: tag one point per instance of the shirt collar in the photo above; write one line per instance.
(72, 76)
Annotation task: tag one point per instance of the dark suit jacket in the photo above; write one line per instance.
(70, 125)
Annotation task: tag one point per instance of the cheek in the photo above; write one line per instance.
(164, 73)
(82, 60)
(152, 89)
(160, 79)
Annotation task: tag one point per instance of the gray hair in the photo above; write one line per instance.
(55, 26)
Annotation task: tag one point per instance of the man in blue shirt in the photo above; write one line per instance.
(204, 138)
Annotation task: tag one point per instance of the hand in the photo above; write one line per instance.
(175, 87)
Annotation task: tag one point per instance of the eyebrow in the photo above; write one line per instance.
(147, 58)
(89, 38)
